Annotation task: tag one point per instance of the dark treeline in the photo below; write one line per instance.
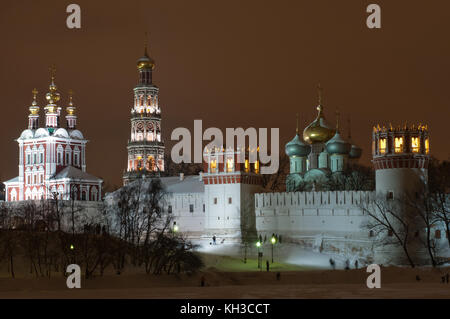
(131, 230)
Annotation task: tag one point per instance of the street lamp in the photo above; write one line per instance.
(258, 244)
(175, 228)
(273, 241)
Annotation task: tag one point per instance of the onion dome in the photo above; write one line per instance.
(337, 145)
(34, 108)
(296, 147)
(318, 131)
(355, 152)
(146, 62)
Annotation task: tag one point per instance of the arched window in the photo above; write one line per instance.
(427, 146)
(212, 166)
(398, 143)
(230, 165)
(415, 144)
(382, 146)
(94, 194)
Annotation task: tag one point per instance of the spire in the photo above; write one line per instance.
(349, 128)
(71, 117)
(296, 130)
(146, 44)
(320, 96)
(33, 117)
(337, 120)
(320, 93)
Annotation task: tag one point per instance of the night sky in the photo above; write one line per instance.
(229, 63)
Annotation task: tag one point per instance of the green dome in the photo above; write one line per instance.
(337, 145)
(355, 152)
(296, 147)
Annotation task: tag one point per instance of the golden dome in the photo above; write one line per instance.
(70, 109)
(34, 108)
(145, 62)
(318, 131)
(52, 96)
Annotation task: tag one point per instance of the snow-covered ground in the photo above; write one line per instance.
(285, 253)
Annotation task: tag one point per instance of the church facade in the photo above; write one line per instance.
(52, 158)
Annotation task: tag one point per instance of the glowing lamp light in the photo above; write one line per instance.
(175, 228)
(72, 247)
(258, 244)
(273, 240)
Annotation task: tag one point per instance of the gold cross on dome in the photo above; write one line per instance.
(337, 119)
(320, 93)
(52, 70)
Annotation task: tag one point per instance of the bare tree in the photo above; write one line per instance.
(277, 181)
(391, 223)
(8, 239)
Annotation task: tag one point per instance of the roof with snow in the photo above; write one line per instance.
(76, 174)
(174, 184)
(12, 180)
(189, 184)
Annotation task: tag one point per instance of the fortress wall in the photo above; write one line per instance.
(311, 213)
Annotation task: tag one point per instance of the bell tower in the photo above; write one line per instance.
(145, 146)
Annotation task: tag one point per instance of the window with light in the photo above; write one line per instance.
(398, 143)
(427, 146)
(213, 166)
(382, 145)
(415, 144)
(230, 165)
(256, 166)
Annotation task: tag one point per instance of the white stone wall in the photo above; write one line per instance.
(399, 180)
(311, 213)
(186, 220)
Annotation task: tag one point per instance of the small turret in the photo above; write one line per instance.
(33, 117)
(71, 116)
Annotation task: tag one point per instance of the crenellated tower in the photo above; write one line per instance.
(400, 159)
(145, 146)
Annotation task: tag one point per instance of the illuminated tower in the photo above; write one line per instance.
(230, 186)
(145, 146)
(400, 159)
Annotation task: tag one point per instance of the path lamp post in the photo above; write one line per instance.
(258, 244)
(273, 241)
